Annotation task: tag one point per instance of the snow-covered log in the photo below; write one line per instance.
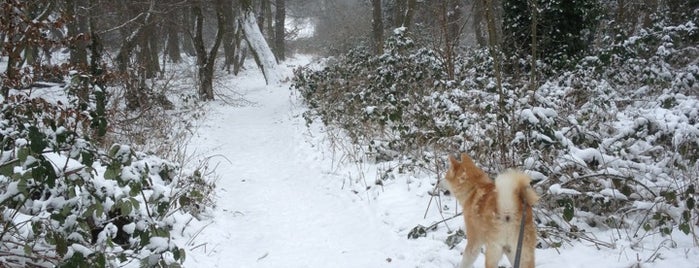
(259, 48)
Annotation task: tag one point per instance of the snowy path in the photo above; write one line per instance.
(280, 205)
(276, 207)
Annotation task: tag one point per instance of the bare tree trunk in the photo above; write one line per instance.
(205, 61)
(148, 53)
(173, 42)
(477, 12)
(399, 12)
(495, 54)
(17, 42)
(131, 40)
(279, 30)
(188, 22)
(77, 32)
(650, 6)
(409, 13)
(533, 84)
(449, 17)
(229, 44)
(377, 27)
(262, 18)
(241, 53)
(403, 13)
(97, 72)
(269, 21)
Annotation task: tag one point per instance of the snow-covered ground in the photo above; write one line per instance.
(284, 201)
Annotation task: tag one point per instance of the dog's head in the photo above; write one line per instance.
(464, 175)
(463, 169)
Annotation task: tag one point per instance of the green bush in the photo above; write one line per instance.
(612, 142)
(64, 202)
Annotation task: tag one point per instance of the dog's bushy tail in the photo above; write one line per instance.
(513, 189)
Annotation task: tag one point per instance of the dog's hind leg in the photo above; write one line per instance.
(527, 258)
(493, 254)
(473, 247)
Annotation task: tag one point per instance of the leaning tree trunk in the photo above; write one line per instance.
(260, 49)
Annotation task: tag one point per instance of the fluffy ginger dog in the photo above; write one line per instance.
(492, 212)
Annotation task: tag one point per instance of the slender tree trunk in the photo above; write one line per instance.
(187, 43)
(77, 31)
(97, 71)
(206, 61)
(96, 50)
(399, 12)
(495, 54)
(229, 45)
(132, 40)
(279, 30)
(449, 17)
(377, 27)
(148, 53)
(269, 19)
(650, 6)
(241, 52)
(477, 11)
(409, 13)
(16, 43)
(173, 43)
(200, 50)
(262, 18)
(533, 84)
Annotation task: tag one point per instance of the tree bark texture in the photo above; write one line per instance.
(206, 60)
(279, 30)
(377, 27)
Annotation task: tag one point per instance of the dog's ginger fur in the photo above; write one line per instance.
(492, 212)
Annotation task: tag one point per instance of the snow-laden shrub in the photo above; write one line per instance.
(625, 136)
(65, 202)
(611, 143)
(375, 97)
